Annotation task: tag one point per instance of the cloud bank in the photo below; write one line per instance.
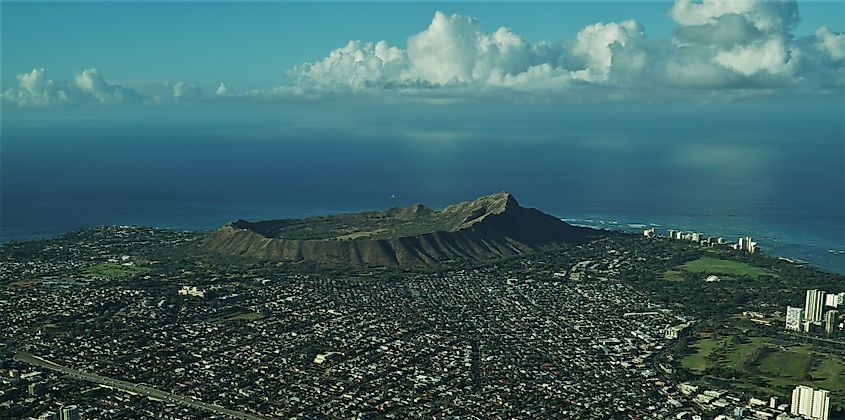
(729, 46)
(719, 49)
(37, 89)
(88, 87)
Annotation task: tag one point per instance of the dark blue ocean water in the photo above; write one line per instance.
(780, 181)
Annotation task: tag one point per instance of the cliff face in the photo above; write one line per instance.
(490, 227)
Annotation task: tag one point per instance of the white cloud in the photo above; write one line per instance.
(187, 92)
(36, 89)
(92, 85)
(831, 43)
(727, 48)
(750, 38)
(766, 16)
(542, 76)
(444, 52)
(717, 45)
(597, 44)
(356, 65)
(724, 31)
(770, 55)
(453, 51)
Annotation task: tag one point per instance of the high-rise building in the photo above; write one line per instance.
(830, 321)
(794, 318)
(70, 412)
(746, 244)
(813, 305)
(810, 403)
(821, 404)
(834, 300)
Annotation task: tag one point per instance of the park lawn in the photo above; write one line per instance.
(739, 355)
(673, 275)
(792, 364)
(112, 270)
(780, 368)
(829, 373)
(698, 362)
(710, 265)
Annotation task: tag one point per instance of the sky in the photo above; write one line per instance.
(157, 54)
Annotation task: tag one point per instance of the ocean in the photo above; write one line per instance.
(187, 174)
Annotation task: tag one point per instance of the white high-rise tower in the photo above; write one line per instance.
(810, 403)
(814, 305)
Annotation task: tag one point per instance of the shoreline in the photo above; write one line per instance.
(826, 261)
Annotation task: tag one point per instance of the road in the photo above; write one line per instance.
(140, 389)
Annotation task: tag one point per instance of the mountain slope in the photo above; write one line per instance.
(490, 227)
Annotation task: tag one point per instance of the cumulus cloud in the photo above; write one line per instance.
(767, 16)
(719, 48)
(752, 39)
(358, 64)
(186, 92)
(92, 85)
(770, 55)
(831, 43)
(451, 51)
(717, 45)
(454, 51)
(598, 44)
(37, 89)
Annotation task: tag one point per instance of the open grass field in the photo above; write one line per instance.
(766, 367)
(697, 361)
(741, 353)
(674, 275)
(791, 365)
(829, 373)
(710, 265)
(112, 270)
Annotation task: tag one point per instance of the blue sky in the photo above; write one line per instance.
(252, 45)
(148, 47)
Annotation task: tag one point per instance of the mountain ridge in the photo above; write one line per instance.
(489, 227)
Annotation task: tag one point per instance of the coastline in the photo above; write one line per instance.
(804, 247)
(820, 253)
